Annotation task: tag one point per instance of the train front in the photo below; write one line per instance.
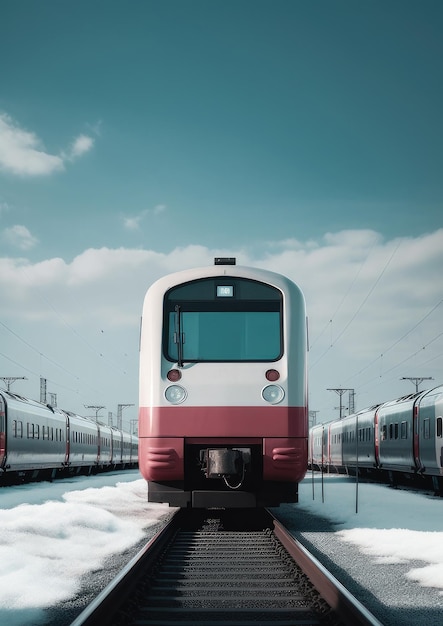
(223, 400)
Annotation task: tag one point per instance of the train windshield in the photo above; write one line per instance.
(223, 320)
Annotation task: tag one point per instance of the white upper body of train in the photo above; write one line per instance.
(232, 346)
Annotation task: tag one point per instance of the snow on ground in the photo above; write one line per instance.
(391, 525)
(52, 534)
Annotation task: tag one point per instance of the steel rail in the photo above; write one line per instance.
(173, 539)
(119, 589)
(350, 610)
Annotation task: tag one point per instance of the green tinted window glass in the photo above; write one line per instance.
(227, 336)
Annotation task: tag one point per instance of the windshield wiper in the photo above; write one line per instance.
(179, 337)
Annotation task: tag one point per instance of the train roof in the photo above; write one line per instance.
(9, 395)
(241, 271)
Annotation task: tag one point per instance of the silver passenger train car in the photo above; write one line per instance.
(400, 438)
(37, 439)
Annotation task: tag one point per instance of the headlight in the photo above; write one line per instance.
(273, 394)
(175, 394)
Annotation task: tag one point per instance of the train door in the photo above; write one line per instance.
(325, 448)
(2, 433)
(439, 434)
(430, 432)
(439, 430)
(68, 440)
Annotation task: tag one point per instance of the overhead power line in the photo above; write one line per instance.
(365, 299)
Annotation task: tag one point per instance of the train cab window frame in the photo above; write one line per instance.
(201, 325)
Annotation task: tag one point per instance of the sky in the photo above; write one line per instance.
(108, 514)
(140, 138)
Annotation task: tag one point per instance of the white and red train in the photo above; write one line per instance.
(38, 440)
(223, 391)
(401, 438)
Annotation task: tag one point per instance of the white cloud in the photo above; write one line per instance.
(81, 145)
(22, 153)
(20, 237)
(371, 305)
(134, 222)
(4, 207)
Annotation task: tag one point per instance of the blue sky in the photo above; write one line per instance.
(173, 130)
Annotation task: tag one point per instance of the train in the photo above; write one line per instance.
(397, 441)
(223, 414)
(38, 441)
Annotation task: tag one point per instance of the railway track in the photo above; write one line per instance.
(224, 568)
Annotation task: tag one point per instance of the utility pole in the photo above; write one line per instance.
(313, 417)
(351, 401)
(340, 392)
(42, 390)
(416, 380)
(8, 380)
(96, 408)
(120, 408)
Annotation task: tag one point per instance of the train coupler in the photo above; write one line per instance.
(226, 463)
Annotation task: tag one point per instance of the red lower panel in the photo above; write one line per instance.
(223, 421)
(161, 459)
(284, 459)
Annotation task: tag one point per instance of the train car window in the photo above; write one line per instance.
(427, 428)
(223, 319)
(404, 430)
(396, 430)
(439, 426)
